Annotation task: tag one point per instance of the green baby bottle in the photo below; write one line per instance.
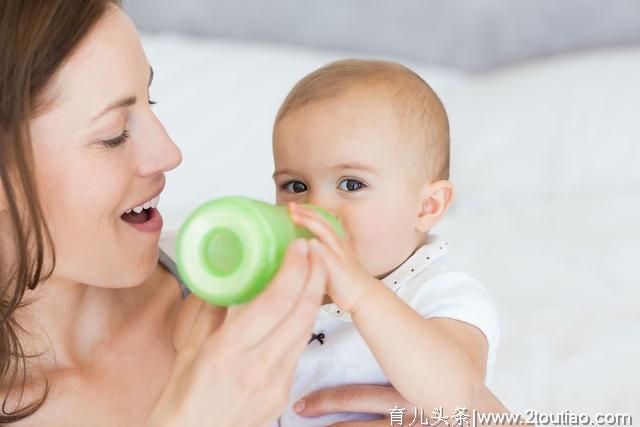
(229, 248)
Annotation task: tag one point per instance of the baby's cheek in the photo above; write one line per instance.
(371, 238)
(383, 238)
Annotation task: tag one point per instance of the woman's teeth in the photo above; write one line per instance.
(150, 204)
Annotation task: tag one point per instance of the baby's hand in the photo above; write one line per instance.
(348, 280)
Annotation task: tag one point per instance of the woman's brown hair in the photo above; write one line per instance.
(36, 37)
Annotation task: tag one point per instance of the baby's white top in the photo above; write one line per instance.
(340, 356)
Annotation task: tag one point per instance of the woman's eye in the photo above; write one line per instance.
(112, 143)
(152, 102)
(350, 185)
(295, 187)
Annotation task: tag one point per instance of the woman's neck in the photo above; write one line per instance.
(72, 323)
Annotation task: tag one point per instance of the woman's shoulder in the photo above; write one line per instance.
(188, 315)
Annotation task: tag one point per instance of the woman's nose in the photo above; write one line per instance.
(156, 151)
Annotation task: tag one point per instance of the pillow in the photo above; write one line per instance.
(564, 127)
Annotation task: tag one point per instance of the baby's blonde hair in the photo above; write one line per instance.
(418, 105)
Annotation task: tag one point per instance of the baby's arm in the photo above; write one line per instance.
(431, 362)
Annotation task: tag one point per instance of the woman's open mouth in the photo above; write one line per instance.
(144, 217)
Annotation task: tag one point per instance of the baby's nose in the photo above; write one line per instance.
(313, 198)
(323, 202)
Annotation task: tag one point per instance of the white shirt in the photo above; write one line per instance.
(343, 356)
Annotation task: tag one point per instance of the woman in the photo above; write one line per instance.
(94, 329)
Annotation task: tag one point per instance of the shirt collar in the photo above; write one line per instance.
(433, 249)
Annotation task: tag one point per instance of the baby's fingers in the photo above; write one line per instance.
(330, 259)
(318, 225)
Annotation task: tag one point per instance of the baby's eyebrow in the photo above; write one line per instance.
(282, 172)
(341, 166)
(357, 165)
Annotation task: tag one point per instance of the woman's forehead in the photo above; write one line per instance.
(108, 65)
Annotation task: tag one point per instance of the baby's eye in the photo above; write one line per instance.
(295, 187)
(350, 185)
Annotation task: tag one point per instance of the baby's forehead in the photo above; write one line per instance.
(359, 128)
(371, 98)
(388, 127)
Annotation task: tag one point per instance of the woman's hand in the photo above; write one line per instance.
(382, 400)
(362, 398)
(237, 368)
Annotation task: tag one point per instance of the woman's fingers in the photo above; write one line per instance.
(370, 399)
(294, 333)
(256, 320)
(280, 353)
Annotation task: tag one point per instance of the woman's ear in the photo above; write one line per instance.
(434, 202)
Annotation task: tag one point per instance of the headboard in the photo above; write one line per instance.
(470, 35)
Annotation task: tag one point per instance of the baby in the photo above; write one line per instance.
(369, 141)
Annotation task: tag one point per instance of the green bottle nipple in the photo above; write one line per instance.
(230, 248)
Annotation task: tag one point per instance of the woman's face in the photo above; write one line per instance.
(99, 151)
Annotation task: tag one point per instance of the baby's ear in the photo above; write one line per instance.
(434, 202)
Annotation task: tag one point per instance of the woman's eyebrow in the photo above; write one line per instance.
(122, 103)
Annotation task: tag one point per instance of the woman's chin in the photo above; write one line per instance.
(136, 269)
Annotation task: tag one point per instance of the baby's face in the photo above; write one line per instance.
(348, 156)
